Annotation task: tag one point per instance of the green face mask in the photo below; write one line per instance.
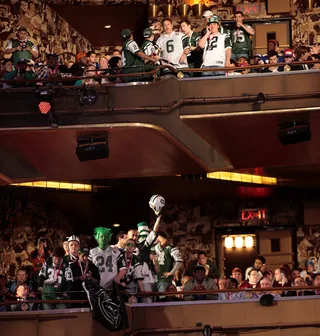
(103, 241)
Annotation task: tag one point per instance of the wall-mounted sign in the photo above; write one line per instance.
(254, 215)
(252, 8)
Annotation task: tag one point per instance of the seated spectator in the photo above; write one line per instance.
(20, 73)
(202, 260)
(299, 282)
(114, 69)
(54, 278)
(89, 72)
(172, 289)
(237, 274)
(222, 283)
(267, 283)
(243, 62)
(21, 278)
(8, 65)
(77, 69)
(253, 280)
(52, 69)
(232, 283)
(21, 47)
(289, 58)
(294, 273)
(22, 295)
(316, 283)
(308, 273)
(91, 58)
(273, 59)
(103, 63)
(281, 278)
(259, 265)
(302, 55)
(268, 274)
(200, 283)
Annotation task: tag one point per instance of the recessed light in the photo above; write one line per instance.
(107, 27)
(116, 225)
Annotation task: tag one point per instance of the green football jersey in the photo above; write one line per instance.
(167, 257)
(57, 274)
(241, 43)
(130, 59)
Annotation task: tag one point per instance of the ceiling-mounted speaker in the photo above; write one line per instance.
(277, 7)
(92, 148)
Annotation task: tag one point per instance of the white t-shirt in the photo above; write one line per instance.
(172, 48)
(214, 51)
(109, 262)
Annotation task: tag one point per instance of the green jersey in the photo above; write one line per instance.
(167, 257)
(149, 48)
(241, 42)
(131, 63)
(55, 275)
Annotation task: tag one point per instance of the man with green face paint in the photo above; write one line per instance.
(109, 260)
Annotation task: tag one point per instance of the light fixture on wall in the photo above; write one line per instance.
(238, 242)
(116, 225)
(248, 241)
(107, 26)
(228, 242)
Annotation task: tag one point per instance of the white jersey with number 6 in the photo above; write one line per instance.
(109, 262)
(172, 48)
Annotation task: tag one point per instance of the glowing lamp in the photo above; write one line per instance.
(238, 242)
(228, 242)
(248, 241)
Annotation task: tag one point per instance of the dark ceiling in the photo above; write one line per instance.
(90, 21)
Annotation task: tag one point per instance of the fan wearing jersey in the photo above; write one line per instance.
(148, 46)
(167, 261)
(73, 248)
(171, 46)
(133, 58)
(216, 48)
(109, 260)
(241, 38)
(54, 277)
(190, 40)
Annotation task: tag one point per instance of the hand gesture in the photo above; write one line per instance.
(27, 48)
(166, 274)
(187, 50)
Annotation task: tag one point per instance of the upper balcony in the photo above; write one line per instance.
(162, 128)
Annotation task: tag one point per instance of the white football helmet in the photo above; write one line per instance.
(157, 203)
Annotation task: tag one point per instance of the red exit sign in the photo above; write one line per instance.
(254, 214)
(252, 9)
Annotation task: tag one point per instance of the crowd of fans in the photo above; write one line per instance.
(142, 261)
(216, 46)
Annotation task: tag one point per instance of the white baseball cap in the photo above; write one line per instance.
(207, 14)
(73, 238)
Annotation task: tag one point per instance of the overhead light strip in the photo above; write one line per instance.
(245, 178)
(56, 185)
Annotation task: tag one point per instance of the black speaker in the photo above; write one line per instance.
(92, 149)
(294, 132)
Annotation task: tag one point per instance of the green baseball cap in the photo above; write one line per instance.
(214, 19)
(126, 33)
(147, 32)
